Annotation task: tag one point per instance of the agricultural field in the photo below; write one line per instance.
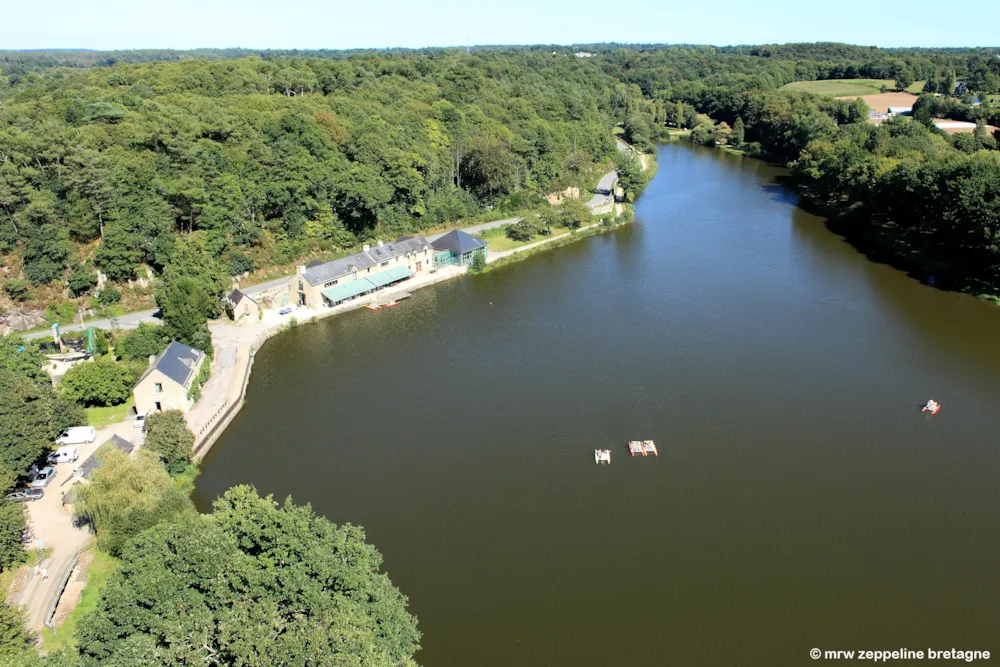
(882, 101)
(848, 87)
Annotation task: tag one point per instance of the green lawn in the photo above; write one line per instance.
(101, 417)
(100, 571)
(845, 87)
(501, 242)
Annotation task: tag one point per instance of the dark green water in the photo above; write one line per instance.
(800, 498)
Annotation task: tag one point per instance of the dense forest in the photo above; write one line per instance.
(266, 159)
(106, 167)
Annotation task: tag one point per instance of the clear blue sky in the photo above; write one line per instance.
(341, 24)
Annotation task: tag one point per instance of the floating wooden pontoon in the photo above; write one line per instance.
(648, 447)
(602, 456)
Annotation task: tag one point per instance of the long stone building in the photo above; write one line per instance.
(375, 267)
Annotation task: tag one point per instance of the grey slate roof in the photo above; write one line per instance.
(327, 271)
(458, 242)
(401, 246)
(323, 273)
(235, 296)
(177, 362)
(92, 463)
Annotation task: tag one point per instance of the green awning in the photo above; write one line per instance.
(389, 276)
(347, 290)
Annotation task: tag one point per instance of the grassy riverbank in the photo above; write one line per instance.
(557, 241)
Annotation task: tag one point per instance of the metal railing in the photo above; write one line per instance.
(227, 407)
(61, 580)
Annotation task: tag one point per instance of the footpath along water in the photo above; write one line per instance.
(800, 498)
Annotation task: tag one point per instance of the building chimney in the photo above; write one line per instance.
(380, 243)
(152, 359)
(366, 247)
(301, 269)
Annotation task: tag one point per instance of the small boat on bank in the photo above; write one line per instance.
(372, 306)
(602, 456)
(391, 304)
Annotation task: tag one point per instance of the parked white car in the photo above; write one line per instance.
(65, 454)
(140, 420)
(77, 435)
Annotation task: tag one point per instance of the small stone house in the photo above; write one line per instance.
(165, 384)
(242, 309)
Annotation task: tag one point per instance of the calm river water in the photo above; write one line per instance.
(800, 498)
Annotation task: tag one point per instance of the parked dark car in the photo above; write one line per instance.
(25, 495)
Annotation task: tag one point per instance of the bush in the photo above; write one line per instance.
(238, 263)
(17, 290)
(521, 232)
(145, 341)
(61, 312)
(168, 436)
(478, 262)
(12, 525)
(108, 296)
(194, 393)
(81, 282)
(101, 382)
(573, 213)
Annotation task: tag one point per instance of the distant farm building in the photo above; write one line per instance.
(953, 126)
(900, 111)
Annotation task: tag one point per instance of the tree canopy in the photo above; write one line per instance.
(126, 495)
(253, 583)
(168, 436)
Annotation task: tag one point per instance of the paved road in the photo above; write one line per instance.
(129, 321)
